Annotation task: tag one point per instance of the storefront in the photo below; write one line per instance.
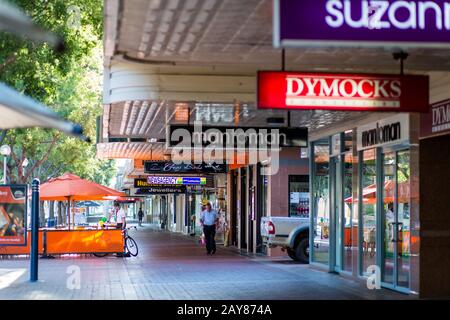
(364, 200)
(254, 195)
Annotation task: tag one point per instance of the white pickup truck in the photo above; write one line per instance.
(291, 234)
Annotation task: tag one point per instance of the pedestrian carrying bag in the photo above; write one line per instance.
(202, 240)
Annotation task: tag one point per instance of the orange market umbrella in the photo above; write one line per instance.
(70, 187)
(369, 193)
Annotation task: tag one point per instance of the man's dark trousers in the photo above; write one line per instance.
(210, 233)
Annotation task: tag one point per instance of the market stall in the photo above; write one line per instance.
(72, 239)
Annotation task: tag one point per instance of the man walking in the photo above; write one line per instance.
(208, 219)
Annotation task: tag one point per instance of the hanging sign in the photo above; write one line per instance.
(13, 215)
(173, 180)
(358, 23)
(233, 137)
(345, 92)
(436, 121)
(171, 167)
(385, 132)
(162, 190)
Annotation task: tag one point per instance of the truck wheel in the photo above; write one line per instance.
(291, 254)
(302, 251)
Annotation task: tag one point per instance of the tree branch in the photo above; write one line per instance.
(41, 161)
(10, 60)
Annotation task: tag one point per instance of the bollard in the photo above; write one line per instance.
(34, 254)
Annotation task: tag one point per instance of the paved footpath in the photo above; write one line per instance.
(173, 266)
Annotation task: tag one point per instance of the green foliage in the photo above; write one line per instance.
(70, 83)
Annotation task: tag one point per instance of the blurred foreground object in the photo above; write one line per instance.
(19, 111)
(13, 20)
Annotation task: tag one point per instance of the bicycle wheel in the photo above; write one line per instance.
(100, 255)
(131, 245)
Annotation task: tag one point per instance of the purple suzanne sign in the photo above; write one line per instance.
(393, 23)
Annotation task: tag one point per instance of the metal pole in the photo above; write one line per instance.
(4, 169)
(34, 230)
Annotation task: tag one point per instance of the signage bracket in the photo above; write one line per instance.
(402, 56)
(283, 69)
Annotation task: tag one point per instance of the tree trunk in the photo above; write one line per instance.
(60, 213)
(52, 209)
(41, 214)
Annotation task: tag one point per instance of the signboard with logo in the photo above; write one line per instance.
(345, 92)
(344, 23)
(171, 167)
(385, 132)
(437, 121)
(13, 215)
(248, 137)
(162, 190)
(174, 180)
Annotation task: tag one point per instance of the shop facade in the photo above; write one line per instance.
(365, 199)
(253, 195)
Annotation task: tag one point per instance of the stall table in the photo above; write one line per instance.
(83, 240)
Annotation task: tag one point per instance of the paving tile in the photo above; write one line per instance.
(174, 266)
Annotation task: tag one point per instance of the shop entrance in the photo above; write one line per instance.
(396, 219)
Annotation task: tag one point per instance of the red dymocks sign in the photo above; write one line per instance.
(346, 92)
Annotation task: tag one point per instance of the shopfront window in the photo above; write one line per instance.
(369, 192)
(320, 197)
(299, 196)
(396, 218)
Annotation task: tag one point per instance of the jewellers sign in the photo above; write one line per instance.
(171, 167)
(344, 23)
(385, 132)
(345, 92)
(162, 190)
(437, 121)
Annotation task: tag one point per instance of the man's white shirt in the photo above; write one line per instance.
(120, 215)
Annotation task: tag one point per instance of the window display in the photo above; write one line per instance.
(299, 196)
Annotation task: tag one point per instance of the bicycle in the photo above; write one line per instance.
(131, 246)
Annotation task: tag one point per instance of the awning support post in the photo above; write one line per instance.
(34, 258)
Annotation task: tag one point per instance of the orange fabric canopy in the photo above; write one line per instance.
(73, 188)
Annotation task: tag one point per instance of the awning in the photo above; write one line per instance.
(19, 111)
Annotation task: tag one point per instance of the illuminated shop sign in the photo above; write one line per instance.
(393, 130)
(162, 190)
(346, 92)
(393, 23)
(172, 180)
(171, 167)
(436, 121)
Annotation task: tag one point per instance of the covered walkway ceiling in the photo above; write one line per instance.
(231, 32)
(177, 61)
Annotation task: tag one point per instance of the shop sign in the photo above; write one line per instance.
(199, 136)
(171, 167)
(365, 23)
(162, 190)
(390, 131)
(13, 215)
(174, 180)
(142, 183)
(345, 92)
(437, 121)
